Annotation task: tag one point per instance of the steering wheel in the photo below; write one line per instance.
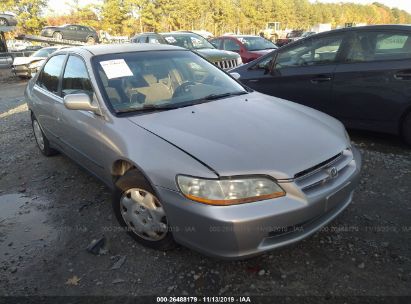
(301, 62)
(183, 88)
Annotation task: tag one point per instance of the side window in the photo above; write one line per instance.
(231, 45)
(377, 46)
(49, 77)
(318, 51)
(76, 78)
(153, 39)
(142, 39)
(216, 42)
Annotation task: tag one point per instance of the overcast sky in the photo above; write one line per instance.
(59, 6)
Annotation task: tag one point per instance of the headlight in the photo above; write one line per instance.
(231, 191)
(35, 65)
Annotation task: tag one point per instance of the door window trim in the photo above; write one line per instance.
(58, 95)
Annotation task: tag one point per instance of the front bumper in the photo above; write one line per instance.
(21, 70)
(240, 231)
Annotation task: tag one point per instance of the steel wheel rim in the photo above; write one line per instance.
(143, 214)
(3, 21)
(58, 36)
(38, 134)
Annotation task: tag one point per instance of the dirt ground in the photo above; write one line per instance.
(51, 209)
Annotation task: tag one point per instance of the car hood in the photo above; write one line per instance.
(250, 134)
(216, 55)
(262, 52)
(26, 60)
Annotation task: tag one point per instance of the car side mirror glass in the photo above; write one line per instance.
(235, 75)
(80, 101)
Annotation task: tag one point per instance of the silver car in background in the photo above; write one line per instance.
(193, 156)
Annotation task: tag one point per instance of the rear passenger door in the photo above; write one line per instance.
(46, 96)
(371, 87)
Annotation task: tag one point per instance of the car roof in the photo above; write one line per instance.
(373, 27)
(104, 49)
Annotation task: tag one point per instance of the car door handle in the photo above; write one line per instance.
(320, 78)
(403, 75)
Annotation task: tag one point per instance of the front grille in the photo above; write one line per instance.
(226, 64)
(319, 175)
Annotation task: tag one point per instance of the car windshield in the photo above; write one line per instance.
(148, 81)
(256, 43)
(188, 41)
(43, 52)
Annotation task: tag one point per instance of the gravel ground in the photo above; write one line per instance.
(51, 209)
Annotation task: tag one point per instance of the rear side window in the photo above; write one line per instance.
(49, 77)
(378, 46)
(76, 78)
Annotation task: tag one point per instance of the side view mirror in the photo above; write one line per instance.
(235, 75)
(80, 101)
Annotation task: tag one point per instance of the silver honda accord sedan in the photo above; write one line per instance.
(193, 157)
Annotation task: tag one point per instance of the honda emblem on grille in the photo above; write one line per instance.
(332, 172)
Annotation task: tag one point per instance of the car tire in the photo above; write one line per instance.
(42, 142)
(4, 22)
(138, 210)
(406, 129)
(91, 40)
(58, 36)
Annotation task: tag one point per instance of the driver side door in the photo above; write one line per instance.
(302, 72)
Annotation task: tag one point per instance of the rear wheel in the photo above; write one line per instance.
(91, 40)
(3, 22)
(141, 213)
(406, 129)
(42, 142)
(57, 35)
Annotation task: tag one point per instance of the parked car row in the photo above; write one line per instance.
(192, 41)
(359, 75)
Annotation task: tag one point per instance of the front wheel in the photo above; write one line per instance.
(140, 212)
(406, 129)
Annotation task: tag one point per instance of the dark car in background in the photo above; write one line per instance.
(249, 47)
(71, 32)
(194, 42)
(7, 19)
(360, 75)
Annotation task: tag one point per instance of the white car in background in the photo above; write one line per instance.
(26, 67)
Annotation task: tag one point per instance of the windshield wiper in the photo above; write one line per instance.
(223, 95)
(150, 108)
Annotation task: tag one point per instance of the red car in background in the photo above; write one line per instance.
(249, 47)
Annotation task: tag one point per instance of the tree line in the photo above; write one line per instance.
(127, 17)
